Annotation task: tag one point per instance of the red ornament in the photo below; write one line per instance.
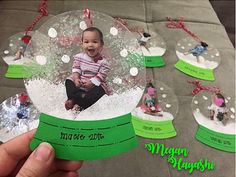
(23, 98)
(25, 39)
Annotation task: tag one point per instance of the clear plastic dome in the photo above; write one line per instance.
(52, 49)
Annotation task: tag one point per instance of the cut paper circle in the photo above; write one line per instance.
(153, 48)
(124, 83)
(13, 53)
(197, 59)
(216, 120)
(17, 115)
(157, 125)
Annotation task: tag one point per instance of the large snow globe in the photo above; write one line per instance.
(87, 77)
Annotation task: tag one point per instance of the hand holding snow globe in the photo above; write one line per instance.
(197, 58)
(153, 117)
(86, 71)
(215, 113)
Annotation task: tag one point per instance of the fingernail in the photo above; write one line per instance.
(43, 152)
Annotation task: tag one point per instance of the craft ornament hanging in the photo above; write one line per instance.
(17, 116)
(214, 111)
(152, 45)
(154, 116)
(13, 53)
(197, 58)
(57, 45)
(15, 47)
(153, 48)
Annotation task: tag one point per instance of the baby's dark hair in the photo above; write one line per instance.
(146, 35)
(94, 29)
(203, 44)
(222, 97)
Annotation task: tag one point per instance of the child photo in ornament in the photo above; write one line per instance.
(14, 49)
(87, 83)
(144, 38)
(215, 111)
(200, 54)
(150, 104)
(17, 116)
(198, 50)
(157, 104)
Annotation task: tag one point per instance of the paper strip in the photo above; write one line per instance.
(216, 140)
(153, 129)
(200, 73)
(18, 72)
(154, 61)
(86, 140)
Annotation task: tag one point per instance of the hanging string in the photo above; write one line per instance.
(87, 17)
(125, 23)
(200, 87)
(181, 25)
(42, 9)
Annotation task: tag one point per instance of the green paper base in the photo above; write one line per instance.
(153, 129)
(154, 61)
(86, 140)
(197, 72)
(18, 72)
(216, 140)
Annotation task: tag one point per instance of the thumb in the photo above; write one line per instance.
(39, 162)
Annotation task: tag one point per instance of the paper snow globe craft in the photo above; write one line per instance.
(17, 115)
(13, 53)
(215, 114)
(87, 79)
(197, 59)
(153, 48)
(154, 117)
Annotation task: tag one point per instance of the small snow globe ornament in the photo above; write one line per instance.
(153, 48)
(214, 111)
(197, 59)
(17, 115)
(87, 78)
(13, 53)
(154, 116)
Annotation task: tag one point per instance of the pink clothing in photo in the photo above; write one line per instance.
(95, 71)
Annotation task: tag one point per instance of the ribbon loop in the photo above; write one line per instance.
(181, 25)
(200, 87)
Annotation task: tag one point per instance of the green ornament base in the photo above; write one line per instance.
(197, 72)
(86, 140)
(216, 140)
(18, 72)
(153, 129)
(154, 61)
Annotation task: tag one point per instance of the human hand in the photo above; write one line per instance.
(77, 82)
(17, 160)
(88, 84)
(75, 76)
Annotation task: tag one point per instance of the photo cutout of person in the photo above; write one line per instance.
(201, 54)
(218, 111)
(150, 104)
(87, 83)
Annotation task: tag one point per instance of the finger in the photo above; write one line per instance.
(13, 151)
(65, 174)
(68, 165)
(39, 162)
